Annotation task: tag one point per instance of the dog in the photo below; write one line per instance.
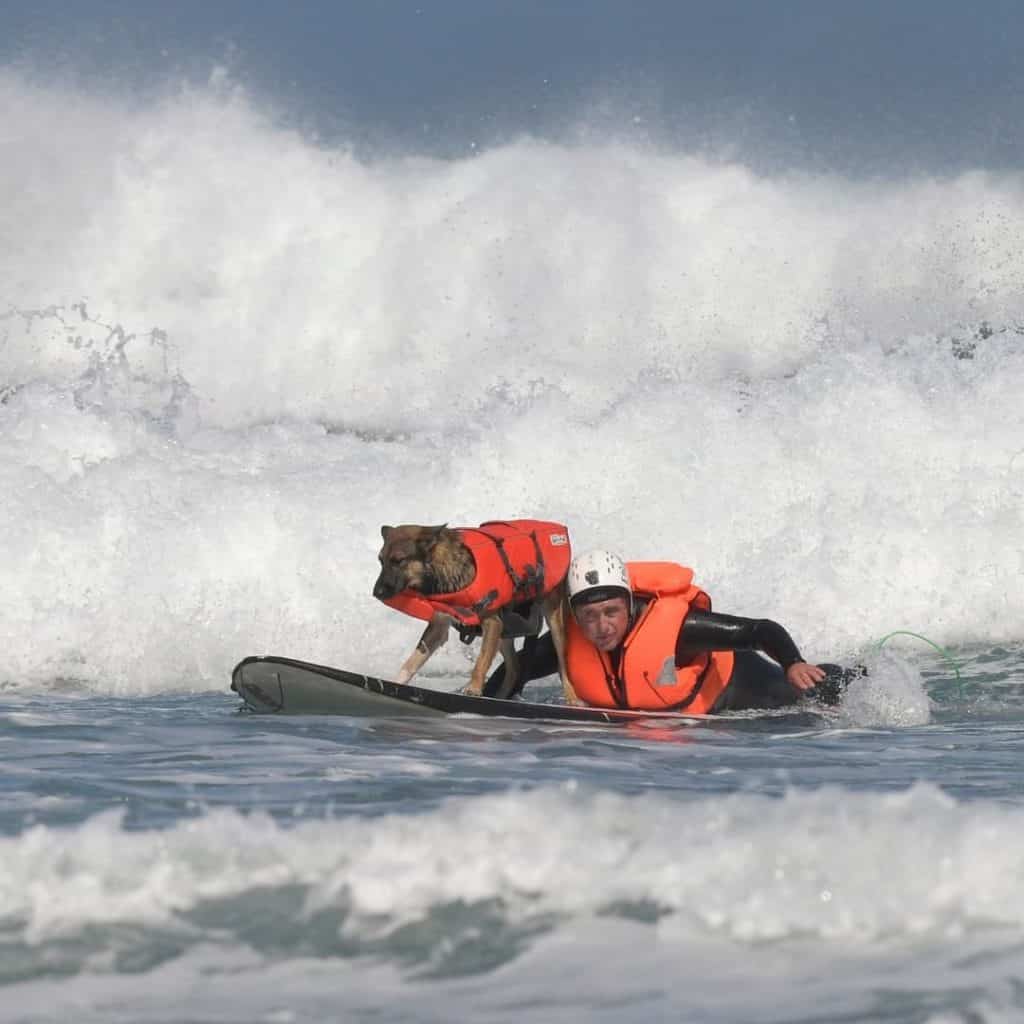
(498, 581)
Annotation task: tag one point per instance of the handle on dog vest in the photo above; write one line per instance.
(531, 583)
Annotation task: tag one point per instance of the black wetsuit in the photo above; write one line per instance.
(755, 681)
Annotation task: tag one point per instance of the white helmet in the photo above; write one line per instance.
(598, 576)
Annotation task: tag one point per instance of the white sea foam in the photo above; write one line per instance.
(227, 355)
(844, 867)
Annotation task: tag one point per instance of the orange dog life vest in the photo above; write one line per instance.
(516, 560)
(647, 678)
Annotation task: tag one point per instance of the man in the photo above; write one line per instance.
(643, 636)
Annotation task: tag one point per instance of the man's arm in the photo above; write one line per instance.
(711, 631)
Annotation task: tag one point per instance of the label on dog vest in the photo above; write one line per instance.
(558, 540)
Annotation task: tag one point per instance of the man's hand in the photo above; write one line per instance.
(804, 676)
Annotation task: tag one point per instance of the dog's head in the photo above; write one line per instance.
(405, 559)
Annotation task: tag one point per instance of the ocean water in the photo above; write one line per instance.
(229, 353)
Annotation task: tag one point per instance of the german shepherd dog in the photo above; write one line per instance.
(430, 560)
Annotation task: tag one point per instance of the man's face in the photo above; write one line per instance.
(604, 623)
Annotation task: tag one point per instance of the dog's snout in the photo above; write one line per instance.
(382, 590)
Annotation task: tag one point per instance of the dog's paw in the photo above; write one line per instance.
(569, 697)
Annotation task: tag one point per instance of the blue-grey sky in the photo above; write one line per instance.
(873, 86)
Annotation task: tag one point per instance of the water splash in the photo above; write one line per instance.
(228, 353)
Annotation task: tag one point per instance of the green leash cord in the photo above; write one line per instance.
(942, 650)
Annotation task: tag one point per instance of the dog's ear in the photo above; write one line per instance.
(385, 531)
(434, 533)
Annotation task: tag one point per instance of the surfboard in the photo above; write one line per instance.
(272, 685)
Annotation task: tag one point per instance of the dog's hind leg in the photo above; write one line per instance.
(510, 681)
(434, 636)
(490, 629)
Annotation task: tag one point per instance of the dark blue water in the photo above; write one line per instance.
(169, 858)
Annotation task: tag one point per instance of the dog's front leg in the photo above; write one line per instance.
(490, 630)
(434, 636)
(555, 611)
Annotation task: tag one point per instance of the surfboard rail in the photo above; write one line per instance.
(269, 684)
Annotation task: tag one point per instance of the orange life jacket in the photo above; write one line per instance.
(516, 560)
(647, 678)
